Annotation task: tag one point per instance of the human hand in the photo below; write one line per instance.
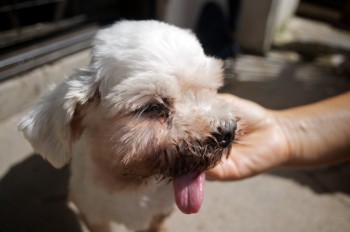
(312, 135)
(260, 142)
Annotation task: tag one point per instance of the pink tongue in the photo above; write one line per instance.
(188, 191)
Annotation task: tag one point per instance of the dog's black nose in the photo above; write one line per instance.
(224, 136)
(223, 139)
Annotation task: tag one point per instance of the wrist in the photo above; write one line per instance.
(290, 130)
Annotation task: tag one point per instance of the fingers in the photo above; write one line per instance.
(225, 171)
(250, 112)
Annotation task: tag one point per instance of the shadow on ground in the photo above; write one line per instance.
(33, 197)
(332, 179)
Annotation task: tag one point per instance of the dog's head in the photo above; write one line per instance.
(145, 106)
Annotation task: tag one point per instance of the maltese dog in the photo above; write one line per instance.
(140, 124)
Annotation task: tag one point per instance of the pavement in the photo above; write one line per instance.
(33, 195)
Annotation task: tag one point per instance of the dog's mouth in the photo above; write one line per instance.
(189, 191)
(185, 166)
(189, 179)
(188, 173)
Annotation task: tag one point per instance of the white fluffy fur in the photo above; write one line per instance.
(133, 63)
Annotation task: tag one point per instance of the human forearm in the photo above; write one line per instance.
(318, 133)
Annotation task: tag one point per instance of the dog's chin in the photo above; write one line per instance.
(188, 188)
(186, 172)
(188, 181)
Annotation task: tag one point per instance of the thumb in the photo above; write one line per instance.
(226, 170)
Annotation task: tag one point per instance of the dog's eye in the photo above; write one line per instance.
(155, 109)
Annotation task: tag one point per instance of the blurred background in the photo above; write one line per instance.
(279, 53)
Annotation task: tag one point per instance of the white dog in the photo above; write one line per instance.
(143, 114)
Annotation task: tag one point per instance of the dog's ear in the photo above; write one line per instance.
(53, 125)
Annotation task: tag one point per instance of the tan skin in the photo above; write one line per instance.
(307, 136)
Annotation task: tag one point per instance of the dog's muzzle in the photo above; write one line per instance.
(190, 168)
(201, 156)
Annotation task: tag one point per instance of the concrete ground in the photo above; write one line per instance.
(33, 194)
